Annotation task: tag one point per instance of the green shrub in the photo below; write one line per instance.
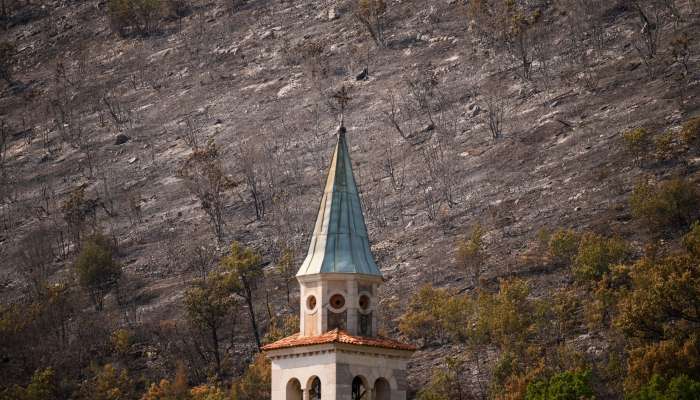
(568, 385)
(637, 141)
(596, 255)
(562, 246)
(97, 271)
(255, 382)
(471, 255)
(135, 16)
(41, 387)
(678, 388)
(691, 240)
(690, 132)
(668, 206)
(445, 383)
(663, 145)
(108, 383)
(423, 319)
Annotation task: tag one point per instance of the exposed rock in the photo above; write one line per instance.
(473, 110)
(121, 139)
(333, 14)
(362, 76)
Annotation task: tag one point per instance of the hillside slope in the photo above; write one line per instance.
(258, 81)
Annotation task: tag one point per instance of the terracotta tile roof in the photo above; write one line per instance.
(337, 336)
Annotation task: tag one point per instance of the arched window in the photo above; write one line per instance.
(382, 390)
(359, 389)
(294, 391)
(315, 389)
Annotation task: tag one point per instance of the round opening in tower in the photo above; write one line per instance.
(311, 303)
(364, 302)
(337, 301)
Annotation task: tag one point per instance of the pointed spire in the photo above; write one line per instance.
(339, 243)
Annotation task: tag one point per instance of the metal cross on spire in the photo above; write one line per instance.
(343, 99)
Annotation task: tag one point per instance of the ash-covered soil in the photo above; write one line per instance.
(246, 79)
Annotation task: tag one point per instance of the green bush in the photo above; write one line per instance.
(568, 385)
(41, 387)
(97, 271)
(135, 16)
(637, 141)
(678, 388)
(471, 255)
(663, 145)
(445, 383)
(690, 132)
(664, 207)
(255, 382)
(562, 246)
(596, 255)
(691, 240)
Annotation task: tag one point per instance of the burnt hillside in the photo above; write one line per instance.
(102, 121)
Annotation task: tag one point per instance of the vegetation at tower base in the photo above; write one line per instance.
(255, 382)
(210, 309)
(445, 383)
(243, 269)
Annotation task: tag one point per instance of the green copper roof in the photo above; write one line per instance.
(339, 243)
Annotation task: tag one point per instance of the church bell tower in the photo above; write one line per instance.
(338, 354)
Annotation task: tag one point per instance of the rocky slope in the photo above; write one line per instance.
(249, 80)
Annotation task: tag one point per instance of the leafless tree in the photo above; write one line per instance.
(7, 52)
(496, 111)
(374, 199)
(315, 63)
(586, 24)
(431, 202)
(128, 295)
(440, 167)
(4, 144)
(192, 132)
(205, 179)
(654, 16)
(372, 15)
(249, 161)
(400, 115)
(80, 214)
(119, 113)
(199, 257)
(134, 207)
(67, 106)
(422, 89)
(35, 259)
(508, 26)
(394, 165)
